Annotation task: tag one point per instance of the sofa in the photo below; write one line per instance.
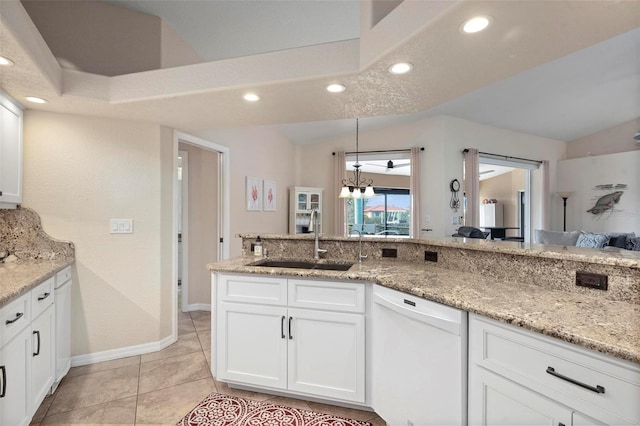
(620, 240)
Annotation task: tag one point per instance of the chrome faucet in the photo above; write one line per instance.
(361, 256)
(314, 225)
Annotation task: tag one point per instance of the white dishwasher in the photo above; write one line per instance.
(419, 360)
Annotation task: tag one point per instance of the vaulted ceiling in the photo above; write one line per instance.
(561, 69)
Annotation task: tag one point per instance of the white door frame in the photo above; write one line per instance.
(224, 208)
(185, 229)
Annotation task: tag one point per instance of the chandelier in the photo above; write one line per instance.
(357, 186)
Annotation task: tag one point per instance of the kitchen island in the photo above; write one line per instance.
(527, 285)
(533, 346)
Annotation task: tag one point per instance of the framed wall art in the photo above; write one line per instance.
(269, 193)
(254, 194)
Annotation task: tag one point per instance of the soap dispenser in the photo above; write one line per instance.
(257, 247)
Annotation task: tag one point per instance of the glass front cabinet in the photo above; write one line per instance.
(302, 201)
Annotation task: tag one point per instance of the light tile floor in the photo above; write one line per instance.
(157, 388)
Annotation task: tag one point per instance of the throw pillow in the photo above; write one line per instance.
(633, 244)
(589, 240)
(620, 241)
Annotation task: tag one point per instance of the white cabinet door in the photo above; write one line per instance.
(63, 330)
(252, 344)
(326, 354)
(10, 152)
(15, 358)
(580, 419)
(42, 359)
(496, 401)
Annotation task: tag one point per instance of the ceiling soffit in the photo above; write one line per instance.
(291, 83)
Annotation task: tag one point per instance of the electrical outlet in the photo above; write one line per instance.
(431, 256)
(455, 220)
(389, 252)
(592, 280)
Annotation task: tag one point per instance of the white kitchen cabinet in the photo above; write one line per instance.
(63, 325)
(10, 152)
(267, 335)
(251, 348)
(516, 373)
(326, 354)
(15, 362)
(302, 201)
(504, 403)
(43, 330)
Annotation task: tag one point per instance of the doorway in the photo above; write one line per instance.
(201, 220)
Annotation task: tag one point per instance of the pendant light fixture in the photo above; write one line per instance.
(357, 187)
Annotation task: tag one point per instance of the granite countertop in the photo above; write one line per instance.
(605, 256)
(20, 276)
(609, 327)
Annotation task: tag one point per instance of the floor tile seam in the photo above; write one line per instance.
(120, 398)
(173, 356)
(169, 387)
(176, 384)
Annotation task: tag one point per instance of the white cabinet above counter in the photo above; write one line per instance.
(10, 152)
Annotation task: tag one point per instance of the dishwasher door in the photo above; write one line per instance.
(419, 360)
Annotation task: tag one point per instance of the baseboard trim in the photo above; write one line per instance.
(198, 307)
(112, 354)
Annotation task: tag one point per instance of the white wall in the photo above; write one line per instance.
(609, 141)
(263, 154)
(79, 173)
(583, 174)
(444, 138)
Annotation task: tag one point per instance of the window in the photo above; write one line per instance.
(386, 214)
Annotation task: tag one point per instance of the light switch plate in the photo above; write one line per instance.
(121, 226)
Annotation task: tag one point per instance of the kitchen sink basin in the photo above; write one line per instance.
(297, 264)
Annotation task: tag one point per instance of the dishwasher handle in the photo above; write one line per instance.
(449, 326)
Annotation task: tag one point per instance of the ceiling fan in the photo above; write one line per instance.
(390, 165)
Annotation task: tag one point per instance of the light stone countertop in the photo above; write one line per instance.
(20, 276)
(606, 326)
(606, 256)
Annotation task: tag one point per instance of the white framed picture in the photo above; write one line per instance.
(254, 194)
(269, 194)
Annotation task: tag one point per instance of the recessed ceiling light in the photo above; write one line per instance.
(476, 24)
(36, 100)
(5, 61)
(251, 97)
(336, 88)
(400, 68)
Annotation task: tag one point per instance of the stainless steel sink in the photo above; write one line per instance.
(301, 264)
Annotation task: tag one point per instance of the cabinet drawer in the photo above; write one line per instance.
(14, 317)
(64, 275)
(549, 366)
(42, 297)
(327, 295)
(252, 289)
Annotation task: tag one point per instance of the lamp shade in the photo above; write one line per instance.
(564, 194)
(368, 192)
(345, 193)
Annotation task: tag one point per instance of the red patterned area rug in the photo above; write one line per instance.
(225, 410)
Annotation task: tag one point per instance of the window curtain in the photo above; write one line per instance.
(545, 197)
(472, 187)
(339, 173)
(415, 193)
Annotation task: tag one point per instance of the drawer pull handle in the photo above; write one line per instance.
(596, 389)
(44, 296)
(4, 381)
(282, 327)
(37, 333)
(290, 335)
(18, 316)
(410, 302)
